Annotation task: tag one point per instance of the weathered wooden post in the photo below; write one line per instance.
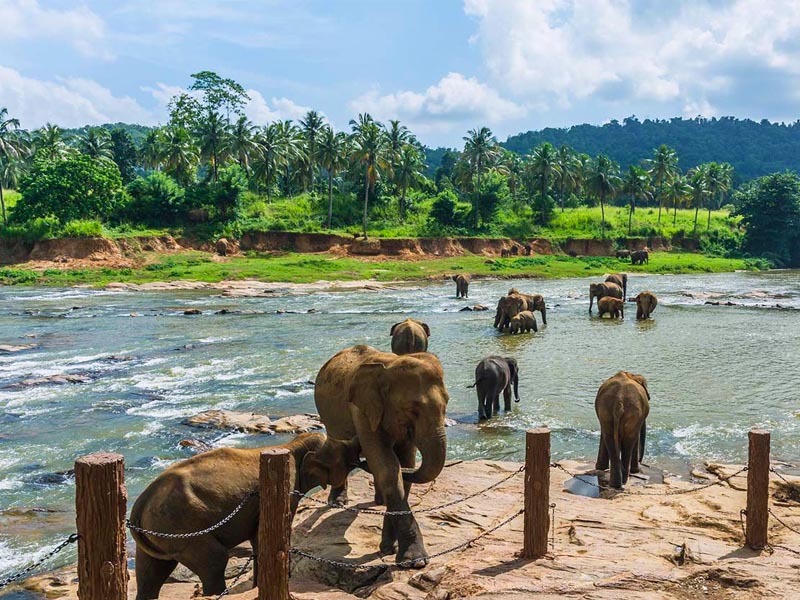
(757, 489)
(537, 492)
(101, 503)
(274, 525)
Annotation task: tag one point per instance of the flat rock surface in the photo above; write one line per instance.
(644, 544)
(251, 287)
(253, 423)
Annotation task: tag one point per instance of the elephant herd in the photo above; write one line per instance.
(379, 408)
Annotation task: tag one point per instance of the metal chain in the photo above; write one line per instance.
(782, 478)
(742, 514)
(792, 550)
(553, 527)
(405, 563)
(236, 510)
(779, 520)
(12, 578)
(578, 477)
(395, 513)
(241, 572)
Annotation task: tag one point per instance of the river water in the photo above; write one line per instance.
(714, 372)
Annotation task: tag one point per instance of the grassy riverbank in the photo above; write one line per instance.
(305, 268)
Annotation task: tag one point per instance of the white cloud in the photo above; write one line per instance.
(27, 19)
(261, 113)
(71, 102)
(448, 104)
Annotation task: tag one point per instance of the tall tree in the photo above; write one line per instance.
(678, 192)
(178, 154)
(567, 172)
(219, 94)
(663, 167)
(637, 185)
(96, 142)
(268, 159)
(480, 152)
(123, 152)
(700, 195)
(603, 183)
(407, 172)
(718, 182)
(212, 135)
(292, 150)
(544, 161)
(369, 150)
(331, 156)
(312, 124)
(151, 151)
(12, 148)
(49, 142)
(242, 144)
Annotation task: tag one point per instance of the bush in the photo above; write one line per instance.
(40, 228)
(83, 229)
(156, 200)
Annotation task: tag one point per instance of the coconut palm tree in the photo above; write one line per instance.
(312, 125)
(12, 148)
(212, 133)
(96, 143)
(699, 182)
(292, 150)
(512, 166)
(331, 156)
(544, 166)
(49, 142)
(480, 152)
(637, 184)
(179, 155)
(369, 150)
(242, 143)
(267, 160)
(603, 182)
(150, 152)
(718, 181)
(678, 191)
(567, 172)
(407, 172)
(663, 167)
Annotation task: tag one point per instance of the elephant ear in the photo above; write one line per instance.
(391, 331)
(426, 328)
(365, 393)
(312, 473)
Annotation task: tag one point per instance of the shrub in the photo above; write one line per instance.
(83, 229)
(156, 200)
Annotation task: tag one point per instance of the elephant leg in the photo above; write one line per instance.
(482, 405)
(634, 466)
(151, 573)
(407, 453)
(338, 495)
(496, 401)
(639, 312)
(507, 398)
(602, 456)
(615, 464)
(208, 560)
(627, 455)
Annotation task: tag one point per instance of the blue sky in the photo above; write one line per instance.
(441, 66)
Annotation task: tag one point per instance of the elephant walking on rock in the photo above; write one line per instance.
(646, 303)
(622, 406)
(495, 375)
(600, 290)
(394, 404)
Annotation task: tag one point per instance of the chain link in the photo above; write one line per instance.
(782, 478)
(17, 576)
(395, 513)
(241, 572)
(553, 526)
(405, 563)
(192, 534)
(779, 520)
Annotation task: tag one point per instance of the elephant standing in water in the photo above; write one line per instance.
(394, 404)
(533, 302)
(410, 336)
(523, 323)
(622, 406)
(507, 308)
(613, 306)
(621, 279)
(462, 285)
(600, 290)
(495, 375)
(646, 303)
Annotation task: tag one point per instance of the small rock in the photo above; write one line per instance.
(193, 311)
(427, 580)
(311, 311)
(253, 423)
(134, 314)
(52, 379)
(9, 348)
(480, 307)
(195, 445)
(466, 309)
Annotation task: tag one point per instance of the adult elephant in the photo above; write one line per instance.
(646, 303)
(621, 279)
(533, 303)
(410, 336)
(622, 406)
(640, 257)
(394, 404)
(507, 308)
(600, 290)
(495, 375)
(462, 285)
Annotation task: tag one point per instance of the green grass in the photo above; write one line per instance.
(304, 268)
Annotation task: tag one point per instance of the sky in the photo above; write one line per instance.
(440, 66)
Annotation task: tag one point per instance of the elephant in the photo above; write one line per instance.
(528, 249)
(410, 336)
(462, 285)
(508, 307)
(523, 322)
(533, 302)
(621, 279)
(622, 406)
(640, 257)
(646, 303)
(394, 404)
(495, 375)
(201, 491)
(623, 253)
(599, 290)
(505, 253)
(514, 251)
(613, 306)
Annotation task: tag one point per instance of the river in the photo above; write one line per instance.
(714, 372)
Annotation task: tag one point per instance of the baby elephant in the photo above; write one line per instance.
(613, 306)
(410, 336)
(201, 491)
(462, 285)
(493, 375)
(645, 304)
(523, 322)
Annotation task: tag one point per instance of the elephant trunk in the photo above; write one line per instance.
(434, 451)
(543, 311)
(516, 386)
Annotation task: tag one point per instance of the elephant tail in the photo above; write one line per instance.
(477, 381)
(618, 414)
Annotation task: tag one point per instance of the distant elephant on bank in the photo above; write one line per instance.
(495, 375)
(613, 306)
(622, 406)
(533, 302)
(646, 303)
(623, 253)
(523, 322)
(528, 249)
(600, 290)
(410, 336)
(462, 285)
(505, 253)
(514, 251)
(507, 308)
(640, 257)
(621, 279)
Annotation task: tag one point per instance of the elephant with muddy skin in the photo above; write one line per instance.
(622, 406)
(410, 336)
(600, 290)
(522, 323)
(533, 302)
(201, 491)
(495, 375)
(621, 279)
(395, 405)
(613, 306)
(462, 285)
(646, 303)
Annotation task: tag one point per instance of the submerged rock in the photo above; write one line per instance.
(61, 379)
(193, 311)
(8, 348)
(253, 423)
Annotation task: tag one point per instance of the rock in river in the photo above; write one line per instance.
(253, 423)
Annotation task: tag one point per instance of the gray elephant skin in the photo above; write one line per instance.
(495, 375)
(410, 336)
(600, 290)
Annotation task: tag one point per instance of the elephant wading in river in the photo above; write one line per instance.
(523, 323)
(645, 304)
(533, 302)
(200, 492)
(613, 306)
(621, 279)
(394, 404)
(622, 406)
(507, 308)
(495, 375)
(410, 336)
(600, 290)
(462, 285)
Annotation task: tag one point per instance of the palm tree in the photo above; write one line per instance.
(407, 171)
(331, 156)
(12, 148)
(178, 154)
(544, 165)
(637, 184)
(480, 152)
(603, 182)
(242, 144)
(567, 172)
(150, 152)
(96, 143)
(369, 149)
(663, 167)
(267, 161)
(718, 181)
(700, 195)
(511, 165)
(678, 192)
(312, 125)
(212, 139)
(292, 150)
(49, 142)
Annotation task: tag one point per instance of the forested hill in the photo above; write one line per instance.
(753, 148)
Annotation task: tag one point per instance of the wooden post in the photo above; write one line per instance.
(537, 492)
(274, 525)
(101, 503)
(757, 489)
